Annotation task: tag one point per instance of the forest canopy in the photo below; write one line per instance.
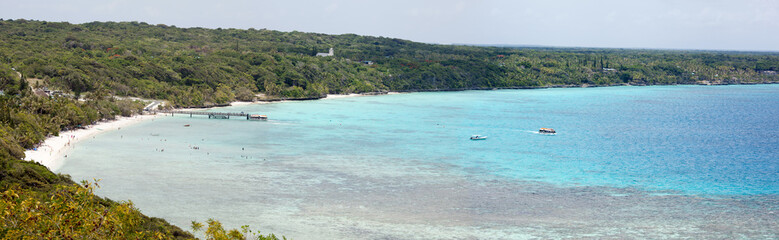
(199, 67)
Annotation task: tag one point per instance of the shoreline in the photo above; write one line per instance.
(336, 96)
(52, 151)
(703, 83)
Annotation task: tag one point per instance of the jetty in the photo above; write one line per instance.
(215, 115)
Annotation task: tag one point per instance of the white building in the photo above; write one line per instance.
(329, 54)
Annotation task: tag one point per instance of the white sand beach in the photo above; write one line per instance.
(240, 103)
(52, 151)
(336, 96)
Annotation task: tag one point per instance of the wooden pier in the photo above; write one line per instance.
(216, 115)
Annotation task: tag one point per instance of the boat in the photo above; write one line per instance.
(186, 125)
(478, 137)
(547, 131)
(257, 117)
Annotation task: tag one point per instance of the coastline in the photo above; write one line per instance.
(585, 85)
(337, 96)
(701, 83)
(52, 151)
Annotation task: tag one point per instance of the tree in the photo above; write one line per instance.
(244, 94)
(24, 87)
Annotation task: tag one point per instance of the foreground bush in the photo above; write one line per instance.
(215, 231)
(71, 212)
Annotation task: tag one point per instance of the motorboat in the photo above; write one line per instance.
(478, 137)
(257, 117)
(547, 131)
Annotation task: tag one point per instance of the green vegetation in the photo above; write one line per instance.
(74, 212)
(36, 203)
(196, 66)
(217, 232)
(90, 63)
(26, 119)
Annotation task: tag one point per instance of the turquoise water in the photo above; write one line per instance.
(652, 162)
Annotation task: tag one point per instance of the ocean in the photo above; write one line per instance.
(626, 162)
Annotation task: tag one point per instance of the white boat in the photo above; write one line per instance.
(478, 137)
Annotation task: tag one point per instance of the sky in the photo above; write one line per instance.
(746, 25)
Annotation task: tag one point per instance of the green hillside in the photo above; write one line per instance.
(197, 66)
